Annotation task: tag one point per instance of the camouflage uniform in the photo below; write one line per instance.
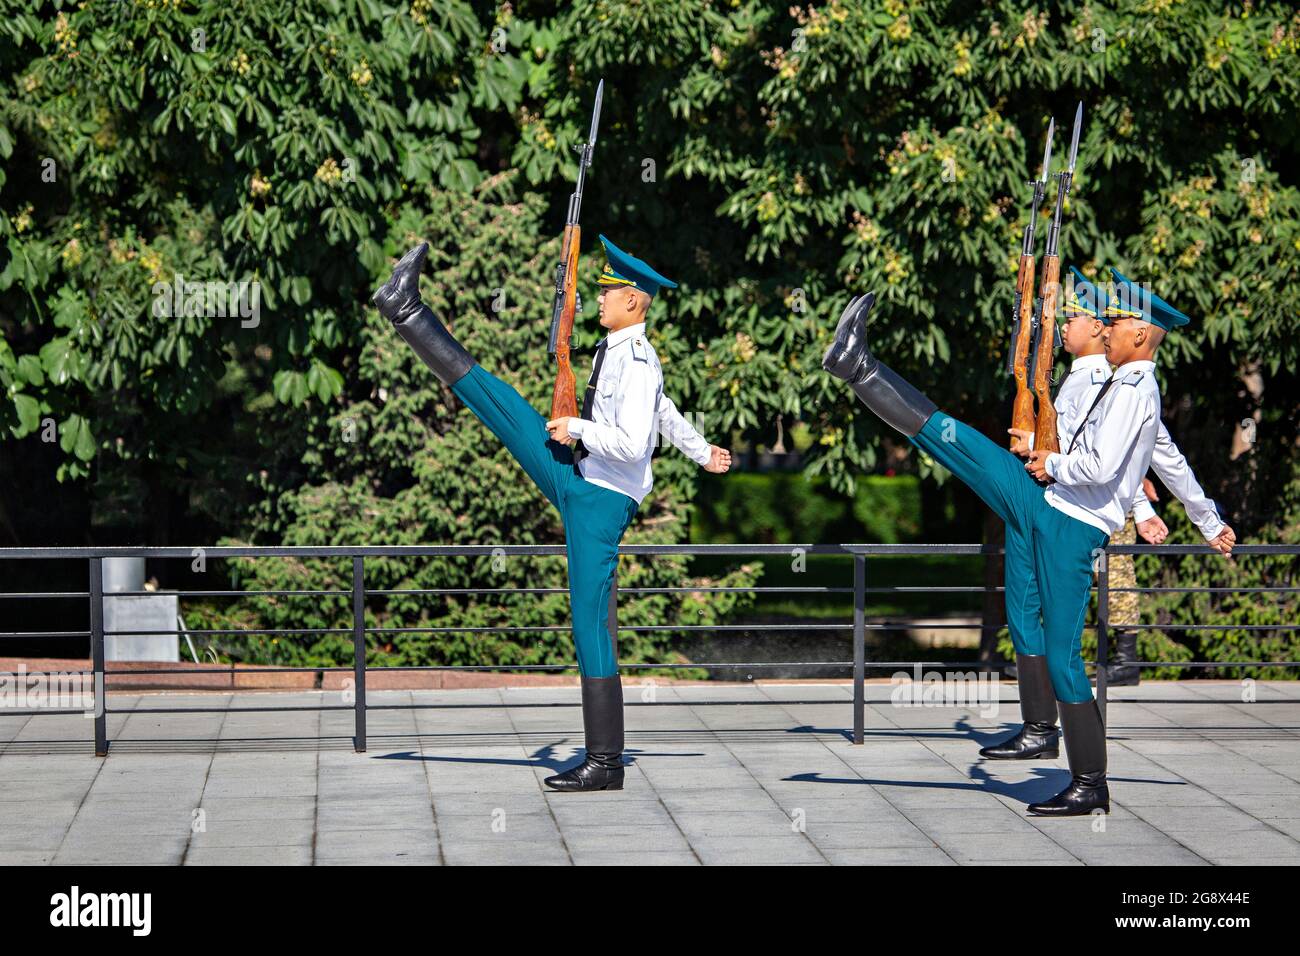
(1123, 610)
(1124, 604)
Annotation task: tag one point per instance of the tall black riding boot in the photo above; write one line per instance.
(1085, 746)
(398, 300)
(602, 724)
(896, 401)
(1122, 669)
(1038, 736)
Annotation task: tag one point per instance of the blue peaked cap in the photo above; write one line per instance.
(624, 269)
(1135, 302)
(1086, 299)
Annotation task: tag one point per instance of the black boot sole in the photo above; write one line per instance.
(835, 358)
(1072, 812)
(1040, 755)
(612, 785)
(386, 297)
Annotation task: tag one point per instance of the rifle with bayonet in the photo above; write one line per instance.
(564, 399)
(1048, 336)
(1024, 312)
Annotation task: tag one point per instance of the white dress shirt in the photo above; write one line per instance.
(1097, 482)
(1170, 464)
(1087, 375)
(630, 410)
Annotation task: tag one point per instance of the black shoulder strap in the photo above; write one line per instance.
(1088, 414)
(589, 400)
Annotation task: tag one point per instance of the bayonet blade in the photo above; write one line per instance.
(1047, 153)
(1074, 141)
(595, 113)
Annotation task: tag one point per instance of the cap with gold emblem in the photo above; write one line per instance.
(624, 269)
(1134, 301)
(1083, 299)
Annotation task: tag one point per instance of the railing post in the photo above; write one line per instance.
(359, 651)
(97, 655)
(859, 647)
(1103, 628)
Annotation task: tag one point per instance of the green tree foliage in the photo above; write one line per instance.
(231, 141)
(885, 145)
(774, 159)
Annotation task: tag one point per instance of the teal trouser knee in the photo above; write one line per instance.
(595, 518)
(594, 521)
(1049, 554)
(1024, 612)
(1064, 551)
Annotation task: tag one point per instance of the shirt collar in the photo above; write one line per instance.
(1140, 365)
(1085, 362)
(622, 335)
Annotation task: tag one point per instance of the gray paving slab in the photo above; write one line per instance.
(249, 856)
(717, 774)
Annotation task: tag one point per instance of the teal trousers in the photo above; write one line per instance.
(594, 517)
(1049, 554)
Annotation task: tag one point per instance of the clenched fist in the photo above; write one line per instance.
(1023, 439)
(558, 429)
(1225, 540)
(1153, 530)
(719, 460)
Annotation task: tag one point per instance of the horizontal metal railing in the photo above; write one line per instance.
(859, 626)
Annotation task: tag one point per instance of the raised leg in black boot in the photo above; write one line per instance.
(399, 301)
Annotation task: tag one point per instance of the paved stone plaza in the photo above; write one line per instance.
(742, 774)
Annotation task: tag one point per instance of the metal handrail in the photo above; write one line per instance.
(859, 626)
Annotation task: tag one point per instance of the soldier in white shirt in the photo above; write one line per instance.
(1082, 333)
(1038, 738)
(1067, 524)
(598, 487)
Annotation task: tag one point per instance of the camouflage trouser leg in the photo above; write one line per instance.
(1122, 669)
(1123, 604)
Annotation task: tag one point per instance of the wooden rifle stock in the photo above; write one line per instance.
(1045, 356)
(1045, 359)
(1022, 412)
(564, 399)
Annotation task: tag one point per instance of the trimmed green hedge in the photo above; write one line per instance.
(784, 507)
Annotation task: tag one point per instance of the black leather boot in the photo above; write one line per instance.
(1085, 746)
(897, 402)
(398, 300)
(602, 724)
(1122, 669)
(1038, 736)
